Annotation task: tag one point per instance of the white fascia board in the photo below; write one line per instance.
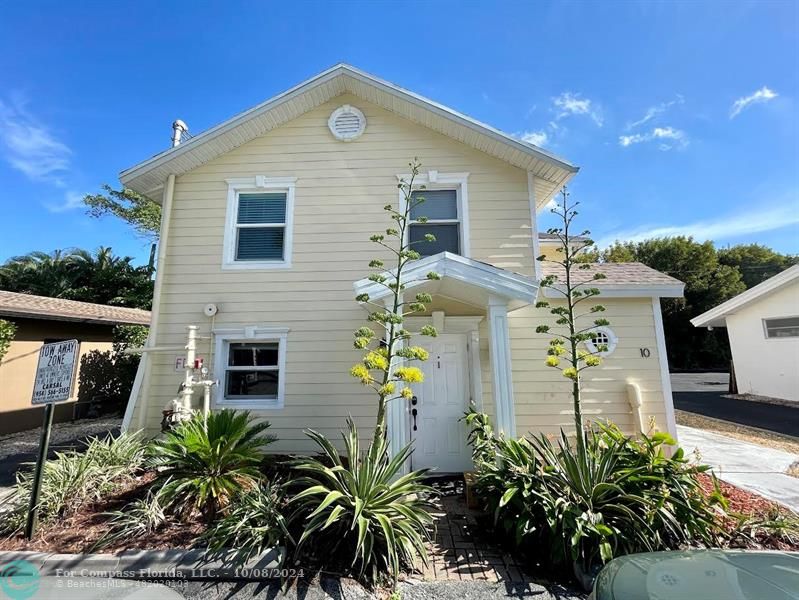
(492, 279)
(130, 174)
(626, 291)
(715, 317)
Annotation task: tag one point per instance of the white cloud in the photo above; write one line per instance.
(669, 138)
(764, 94)
(723, 228)
(72, 200)
(655, 111)
(569, 104)
(536, 138)
(29, 146)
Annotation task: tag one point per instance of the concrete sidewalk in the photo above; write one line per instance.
(749, 466)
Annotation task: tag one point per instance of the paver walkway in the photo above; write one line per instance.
(749, 466)
(460, 550)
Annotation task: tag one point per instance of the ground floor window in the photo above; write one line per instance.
(782, 328)
(251, 371)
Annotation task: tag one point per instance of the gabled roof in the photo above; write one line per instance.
(715, 317)
(13, 304)
(148, 177)
(487, 280)
(622, 280)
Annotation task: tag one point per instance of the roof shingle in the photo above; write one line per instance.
(631, 273)
(27, 305)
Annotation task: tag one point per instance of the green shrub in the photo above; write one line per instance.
(207, 460)
(7, 332)
(253, 522)
(363, 509)
(619, 496)
(138, 519)
(73, 478)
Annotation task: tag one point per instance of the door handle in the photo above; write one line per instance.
(414, 412)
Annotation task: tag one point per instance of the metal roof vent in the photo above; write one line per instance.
(347, 123)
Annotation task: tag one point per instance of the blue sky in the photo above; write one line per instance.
(682, 115)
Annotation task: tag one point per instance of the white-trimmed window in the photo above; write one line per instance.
(251, 366)
(445, 207)
(784, 327)
(603, 341)
(259, 223)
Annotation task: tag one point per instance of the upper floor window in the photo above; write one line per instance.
(259, 223)
(446, 208)
(443, 221)
(782, 328)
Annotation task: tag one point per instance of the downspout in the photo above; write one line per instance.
(145, 366)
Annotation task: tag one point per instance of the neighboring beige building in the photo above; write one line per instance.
(268, 217)
(763, 326)
(41, 320)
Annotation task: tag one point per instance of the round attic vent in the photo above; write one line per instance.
(346, 123)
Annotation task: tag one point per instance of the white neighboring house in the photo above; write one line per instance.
(763, 326)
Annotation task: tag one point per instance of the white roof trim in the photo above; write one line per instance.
(715, 317)
(628, 290)
(147, 175)
(493, 280)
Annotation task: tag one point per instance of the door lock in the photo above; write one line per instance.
(414, 401)
(414, 412)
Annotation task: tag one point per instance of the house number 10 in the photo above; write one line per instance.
(645, 353)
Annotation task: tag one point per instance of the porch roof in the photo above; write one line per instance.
(464, 279)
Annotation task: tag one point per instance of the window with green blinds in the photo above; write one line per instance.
(261, 227)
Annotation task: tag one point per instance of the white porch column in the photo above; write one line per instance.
(499, 351)
(396, 411)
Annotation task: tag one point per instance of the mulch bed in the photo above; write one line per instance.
(743, 502)
(78, 531)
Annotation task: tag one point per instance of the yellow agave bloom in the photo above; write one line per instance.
(419, 353)
(592, 361)
(387, 389)
(552, 361)
(570, 373)
(407, 393)
(361, 373)
(409, 374)
(373, 360)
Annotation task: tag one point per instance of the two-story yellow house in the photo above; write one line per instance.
(268, 217)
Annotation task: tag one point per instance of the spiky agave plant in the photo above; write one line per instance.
(363, 507)
(205, 461)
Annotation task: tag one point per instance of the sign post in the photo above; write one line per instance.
(55, 375)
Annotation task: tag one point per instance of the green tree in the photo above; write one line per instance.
(576, 289)
(76, 274)
(755, 262)
(138, 211)
(708, 283)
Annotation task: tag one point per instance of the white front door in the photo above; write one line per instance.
(438, 432)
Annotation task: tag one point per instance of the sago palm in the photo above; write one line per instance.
(206, 460)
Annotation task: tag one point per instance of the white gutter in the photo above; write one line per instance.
(144, 371)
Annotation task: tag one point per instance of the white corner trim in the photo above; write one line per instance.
(436, 180)
(534, 225)
(665, 377)
(249, 184)
(222, 337)
(476, 370)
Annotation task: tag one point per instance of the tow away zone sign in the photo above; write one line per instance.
(55, 373)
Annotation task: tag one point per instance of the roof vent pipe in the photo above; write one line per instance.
(178, 129)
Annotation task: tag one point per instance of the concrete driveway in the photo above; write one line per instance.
(704, 394)
(749, 466)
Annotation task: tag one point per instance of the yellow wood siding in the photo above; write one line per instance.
(340, 191)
